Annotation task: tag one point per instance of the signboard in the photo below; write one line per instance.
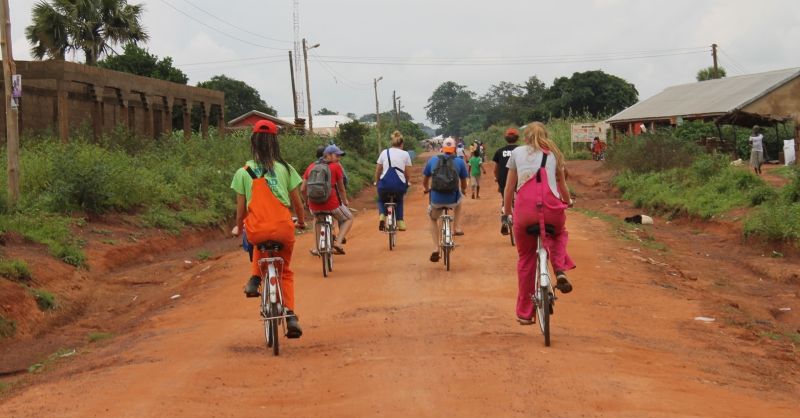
(16, 90)
(585, 132)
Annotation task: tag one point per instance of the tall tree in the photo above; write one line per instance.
(708, 73)
(325, 112)
(449, 106)
(90, 26)
(592, 92)
(240, 98)
(137, 60)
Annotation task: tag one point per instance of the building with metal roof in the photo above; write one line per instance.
(765, 99)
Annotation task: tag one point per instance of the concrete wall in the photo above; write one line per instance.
(63, 97)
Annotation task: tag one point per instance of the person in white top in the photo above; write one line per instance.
(537, 188)
(392, 179)
(757, 150)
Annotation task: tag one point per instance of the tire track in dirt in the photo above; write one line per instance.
(393, 334)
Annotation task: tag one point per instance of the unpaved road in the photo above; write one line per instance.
(392, 334)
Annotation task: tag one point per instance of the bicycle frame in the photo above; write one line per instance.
(391, 223)
(272, 286)
(447, 229)
(324, 228)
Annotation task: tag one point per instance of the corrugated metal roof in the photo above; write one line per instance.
(712, 97)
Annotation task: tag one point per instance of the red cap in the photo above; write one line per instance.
(512, 131)
(266, 127)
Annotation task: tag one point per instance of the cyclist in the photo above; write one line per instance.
(445, 170)
(523, 189)
(337, 201)
(392, 179)
(500, 170)
(282, 193)
(461, 153)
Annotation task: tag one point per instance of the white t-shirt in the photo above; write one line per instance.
(400, 159)
(757, 142)
(527, 164)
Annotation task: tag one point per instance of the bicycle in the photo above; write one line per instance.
(272, 309)
(544, 298)
(446, 244)
(391, 222)
(324, 229)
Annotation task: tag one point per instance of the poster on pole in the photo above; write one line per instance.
(16, 90)
(586, 132)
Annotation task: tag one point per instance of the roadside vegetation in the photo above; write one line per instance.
(669, 175)
(559, 130)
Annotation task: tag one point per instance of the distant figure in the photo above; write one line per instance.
(757, 149)
(597, 149)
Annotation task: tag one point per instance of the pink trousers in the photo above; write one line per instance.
(526, 248)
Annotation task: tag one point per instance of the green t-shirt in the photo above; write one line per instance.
(281, 181)
(475, 166)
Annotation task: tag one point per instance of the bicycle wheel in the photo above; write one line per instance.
(543, 311)
(273, 327)
(266, 312)
(330, 262)
(447, 258)
(324, 256)
(511, 235)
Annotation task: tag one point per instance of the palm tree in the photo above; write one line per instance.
(91, 26)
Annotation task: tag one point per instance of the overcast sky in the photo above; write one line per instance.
(654, 44)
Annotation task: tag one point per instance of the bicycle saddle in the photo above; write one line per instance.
(270, 246)
(534, 229)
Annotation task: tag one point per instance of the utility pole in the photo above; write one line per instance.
(714, 55)
(394, 105)
(377, 113)
(294, 89)
(12, 113)
(308, 85)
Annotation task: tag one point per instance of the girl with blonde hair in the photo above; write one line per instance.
(392, 179)
(537, 187)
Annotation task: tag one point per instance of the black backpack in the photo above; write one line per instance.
(445, 175)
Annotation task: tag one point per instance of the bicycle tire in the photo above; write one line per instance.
(274, 329)
(266, 312)
(447, 258)
(544, 314)
(324, 257)
(330, 262)
(511, 235)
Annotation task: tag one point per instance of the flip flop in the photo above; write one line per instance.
(458, 233)
(435, 256)
(338, 250)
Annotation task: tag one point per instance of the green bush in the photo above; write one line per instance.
(15, 270)
(44, 299)
(775, 220)
(651, 152)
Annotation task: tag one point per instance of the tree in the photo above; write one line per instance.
(592, 92)
(351, 136)
(240, 98)
(91, 26)
(137, 60)
(325, 111)
(449, 106)
(352, 115)
(708, 74)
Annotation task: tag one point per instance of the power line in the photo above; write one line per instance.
(734, 62)
(337, 76)
(235, 26)
(218, 30)
(230, 60)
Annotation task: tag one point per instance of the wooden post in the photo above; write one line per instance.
(12, 129)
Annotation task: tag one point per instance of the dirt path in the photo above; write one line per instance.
(392, 334)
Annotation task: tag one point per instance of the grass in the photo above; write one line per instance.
(44, 299)
(7, 327)
(95, 337)
(15, 270)
(793, 337)
(204, 255)
(52, 230)
(4, 387)
(52, 358)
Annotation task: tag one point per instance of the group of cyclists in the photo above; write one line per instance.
(267, 187)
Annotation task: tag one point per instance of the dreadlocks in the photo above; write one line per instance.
(266, 150)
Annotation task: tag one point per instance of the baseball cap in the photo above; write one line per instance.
(333, 149)
(512, 131)
(265, 126)
(449, 145)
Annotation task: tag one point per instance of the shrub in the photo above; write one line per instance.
(776, 220)
(49, 229)
(44, 299)
(15, 270)
(651, 152)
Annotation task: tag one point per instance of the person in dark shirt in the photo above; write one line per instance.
(500, 159)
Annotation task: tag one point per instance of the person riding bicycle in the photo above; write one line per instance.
(279, 190)
(446, 181)
(323, 187)
(525, 187)
(500, 159)
(392, 179)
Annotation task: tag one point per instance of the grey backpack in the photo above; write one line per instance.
(318, 184)
(445, 175)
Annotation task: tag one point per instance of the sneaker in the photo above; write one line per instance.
(523, 321)
(382, 223)
(401, 225)
(562, 283)
(293, 329)
(435, 257)
(251, 289)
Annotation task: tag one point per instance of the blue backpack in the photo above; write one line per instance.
(391, 181)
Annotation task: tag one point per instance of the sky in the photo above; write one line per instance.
(416, 45)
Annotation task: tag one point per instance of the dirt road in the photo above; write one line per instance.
(392, 334)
